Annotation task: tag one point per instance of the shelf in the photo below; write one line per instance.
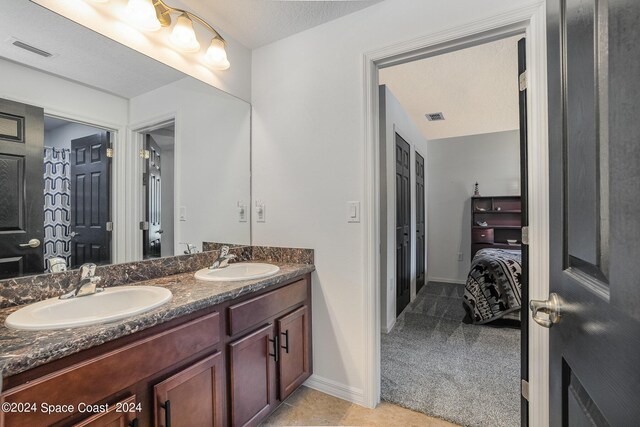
(502, 227)
(517, 245)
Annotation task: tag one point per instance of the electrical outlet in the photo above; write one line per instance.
(261, 214)
(459, 256)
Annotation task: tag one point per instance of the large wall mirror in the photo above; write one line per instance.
(107, 155)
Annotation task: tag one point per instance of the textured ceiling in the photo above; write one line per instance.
(476, 89)
(79, 54)
(255, 23)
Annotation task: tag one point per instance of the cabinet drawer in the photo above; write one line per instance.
(102, 376)
(482, 235)
(253, 312)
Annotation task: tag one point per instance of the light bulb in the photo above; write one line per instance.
(183, 37)
(142, 14)
(216, 55)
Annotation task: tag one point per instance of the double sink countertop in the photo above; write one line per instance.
(23, 350)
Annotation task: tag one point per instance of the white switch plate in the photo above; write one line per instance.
(261, 213)
(242, 212)
(183, 213)
(353, 211)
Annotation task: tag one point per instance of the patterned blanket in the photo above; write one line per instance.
(493, 286)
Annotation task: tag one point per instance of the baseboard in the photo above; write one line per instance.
(336, 389)
(445, 280)
(389, 328)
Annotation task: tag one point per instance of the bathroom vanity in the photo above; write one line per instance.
(219, 353)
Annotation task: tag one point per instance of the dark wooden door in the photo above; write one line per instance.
(119, 414)
(524, 220)
(21, 188)
(594, 131)
(152, 234)
(192, 397)
(252, 362)
(90, 211)
(294, 360)
(421, 240)
(403, 224)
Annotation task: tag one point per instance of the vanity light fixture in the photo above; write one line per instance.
(151, 15)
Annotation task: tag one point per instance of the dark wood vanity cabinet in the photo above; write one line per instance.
(230, 364)
(193, 396)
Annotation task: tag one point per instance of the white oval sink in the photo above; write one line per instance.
(237, 272)
(112, 304)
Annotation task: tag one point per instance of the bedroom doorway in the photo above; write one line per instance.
(454, 349)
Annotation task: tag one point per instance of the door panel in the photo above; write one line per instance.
(403, 224)
(153, 180)
(253, 380)
(192, 397)
(90, 210)
(420, 224)
(120, 414)
(21, 188)
(593, 54)
(293, 330)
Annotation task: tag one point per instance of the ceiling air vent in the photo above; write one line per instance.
(433, 117)
(32, 49)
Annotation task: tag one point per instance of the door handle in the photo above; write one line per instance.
(551, 307)
(74, 234)
(33, 243)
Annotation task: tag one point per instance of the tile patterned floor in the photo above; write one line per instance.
(308, 407)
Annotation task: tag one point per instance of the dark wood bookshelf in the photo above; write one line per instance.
(504, 222)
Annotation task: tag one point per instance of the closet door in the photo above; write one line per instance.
(403, 224)
(420, 225)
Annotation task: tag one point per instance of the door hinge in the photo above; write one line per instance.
(144, 225)
(524, 81)
(110, 153)
(109, 226)
(524, 389)
(525, 235)
(145, 154)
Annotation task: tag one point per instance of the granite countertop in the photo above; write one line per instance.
(23, 350)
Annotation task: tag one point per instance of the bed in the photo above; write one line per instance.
(493, 287)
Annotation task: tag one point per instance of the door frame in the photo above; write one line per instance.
(118, 168)
(529, 20)
(135, 195)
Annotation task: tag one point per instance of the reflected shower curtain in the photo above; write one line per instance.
(57, 204)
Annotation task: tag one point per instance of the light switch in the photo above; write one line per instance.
(183, 213)
(260, 211)
(353, 211)
(242, 212)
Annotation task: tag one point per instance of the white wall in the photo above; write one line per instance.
(454, 165)
(308, 160)
(60, 96)
(62, 136)
(212, 149)
(110, 20)
(394, 119)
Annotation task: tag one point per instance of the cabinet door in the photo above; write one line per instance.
(120, 414)
(192, 397)
(294, 350)
(252, 364)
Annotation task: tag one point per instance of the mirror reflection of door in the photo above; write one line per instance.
(21, 181)
(90, 170)
(158, 190)
(77, 180)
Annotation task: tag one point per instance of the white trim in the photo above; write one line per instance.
(445, 280)
(530, 20)
(389, 327)
(336, 389)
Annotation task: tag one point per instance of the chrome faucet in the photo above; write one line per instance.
(223, 259)
(87, 285)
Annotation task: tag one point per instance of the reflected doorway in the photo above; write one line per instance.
(158, 189)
